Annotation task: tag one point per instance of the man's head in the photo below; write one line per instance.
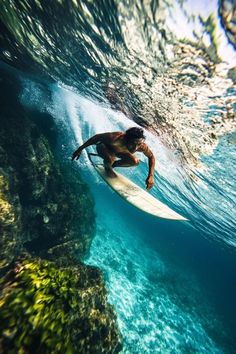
(134, 134)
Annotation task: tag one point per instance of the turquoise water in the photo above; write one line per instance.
(162, 305)
(172, 284)
(161, 274)
(109, 65)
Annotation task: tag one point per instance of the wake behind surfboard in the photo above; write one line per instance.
(135, 195)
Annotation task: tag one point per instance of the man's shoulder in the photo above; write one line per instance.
(143, 147)
(111, 136)
(115, 135)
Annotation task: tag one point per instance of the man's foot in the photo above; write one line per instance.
(110, 173)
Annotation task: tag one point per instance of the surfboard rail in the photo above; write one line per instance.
(134, 194)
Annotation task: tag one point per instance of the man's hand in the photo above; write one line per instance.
(149, 182)
(76, 154)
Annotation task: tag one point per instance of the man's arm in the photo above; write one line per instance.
(103, 138)
(151, 164)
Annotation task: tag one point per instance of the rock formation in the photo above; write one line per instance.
(50, 301)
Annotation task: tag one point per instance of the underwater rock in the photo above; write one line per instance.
(43, 205)
(44, 309)
(10, 221)
(47, 221)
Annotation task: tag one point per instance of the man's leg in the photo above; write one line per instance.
(108, 159)
(126, 160)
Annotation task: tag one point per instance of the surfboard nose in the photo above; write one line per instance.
(135, 195)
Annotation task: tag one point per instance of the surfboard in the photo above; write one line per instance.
(135, 195)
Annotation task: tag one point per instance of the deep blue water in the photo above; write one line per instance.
(164, 65)
(172, 283)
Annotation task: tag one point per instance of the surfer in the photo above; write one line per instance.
(121, 145)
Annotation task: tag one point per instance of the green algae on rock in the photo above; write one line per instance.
(52, 206)
(44, 309)
(46, 211)
(10, 223)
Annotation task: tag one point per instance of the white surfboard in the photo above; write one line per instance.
(135, 195)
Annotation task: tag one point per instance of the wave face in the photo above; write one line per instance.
(173, 289)
(168, 66)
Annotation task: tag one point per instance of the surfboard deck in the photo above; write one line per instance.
(135, 195)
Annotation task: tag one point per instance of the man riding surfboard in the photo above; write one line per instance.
(121, 145)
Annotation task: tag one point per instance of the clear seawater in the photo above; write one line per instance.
(116, 64)
(172, 283)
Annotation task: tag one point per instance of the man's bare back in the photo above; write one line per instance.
(121, 145)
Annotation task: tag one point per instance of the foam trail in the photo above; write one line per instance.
(88, 118)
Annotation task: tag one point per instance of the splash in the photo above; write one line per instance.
(168, 65)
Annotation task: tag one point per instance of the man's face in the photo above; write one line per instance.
(132, 144)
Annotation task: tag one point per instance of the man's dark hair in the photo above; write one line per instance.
(135, 133)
